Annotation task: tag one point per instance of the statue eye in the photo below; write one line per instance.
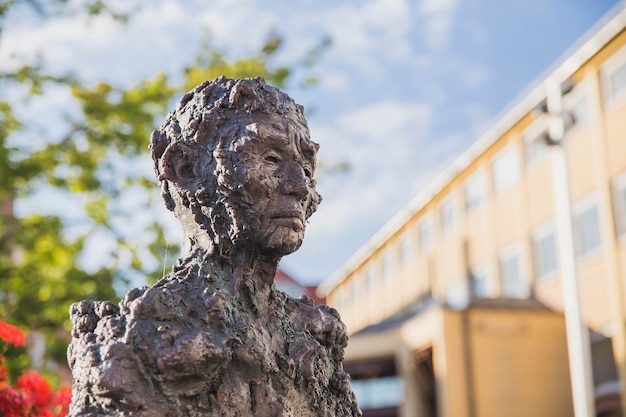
(307, 172)
(272, 158)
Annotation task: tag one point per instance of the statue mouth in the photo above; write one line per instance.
(291, 218)
(287, 214)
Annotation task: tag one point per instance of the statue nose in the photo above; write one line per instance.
(294, 181)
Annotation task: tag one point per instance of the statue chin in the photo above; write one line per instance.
(282, 241)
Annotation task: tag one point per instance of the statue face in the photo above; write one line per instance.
(277, 161)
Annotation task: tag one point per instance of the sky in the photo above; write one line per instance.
(404, 87)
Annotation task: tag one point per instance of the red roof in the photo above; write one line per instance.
(287, 284)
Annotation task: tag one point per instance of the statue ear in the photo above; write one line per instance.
(180, 164)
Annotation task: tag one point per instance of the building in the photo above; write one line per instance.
(455, 307)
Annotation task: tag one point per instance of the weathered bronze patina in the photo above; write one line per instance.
(215, 337)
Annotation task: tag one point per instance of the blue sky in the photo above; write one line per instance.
(405, 87)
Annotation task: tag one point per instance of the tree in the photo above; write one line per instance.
(40, 269)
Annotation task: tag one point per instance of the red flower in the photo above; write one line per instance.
(32, 395)
(64, 398)
(35, 388)
(12, 335)
(4, 376)
(11, 402)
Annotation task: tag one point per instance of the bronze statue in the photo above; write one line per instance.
(215, 337)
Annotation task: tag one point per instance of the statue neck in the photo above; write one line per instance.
(242, 272)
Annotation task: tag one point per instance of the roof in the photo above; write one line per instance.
(293, 288)
(526, 304)
(401, 317)
(422, 305)
(585, 48)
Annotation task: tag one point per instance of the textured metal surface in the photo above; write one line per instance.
(215, 337)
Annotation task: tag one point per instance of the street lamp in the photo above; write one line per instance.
(577, 333)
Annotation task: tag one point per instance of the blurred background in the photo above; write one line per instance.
(440, 239)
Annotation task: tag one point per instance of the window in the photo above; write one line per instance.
(505, 169)
(579, 110)
(457, 295)
(480, 282)
(513, 283)
(587, 229)
(613, 78)
(371, 277)
(426, 234)
(535, 147)
(475, 191)
(343, 299)
(389, 264)
(359, 288)
(619, 204)
(545, 258)
(407, 249)
(448, 214)
(617, 82)
(378, 392)
(346, 299)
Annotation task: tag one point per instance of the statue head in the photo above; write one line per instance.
(235, 162)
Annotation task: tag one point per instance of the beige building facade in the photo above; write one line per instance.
(457, 303)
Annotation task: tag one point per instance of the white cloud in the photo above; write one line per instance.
(161, 36)
(474, 77)
(478, 118)
(374, 137)
(366, 34)
(44, 116)
(334, 82)
(439, 15)
(164, 35)
(434, 7)
(237, 26)
(477, 33)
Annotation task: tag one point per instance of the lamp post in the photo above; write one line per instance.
(577, 333)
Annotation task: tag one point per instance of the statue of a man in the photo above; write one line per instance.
(215, 337)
